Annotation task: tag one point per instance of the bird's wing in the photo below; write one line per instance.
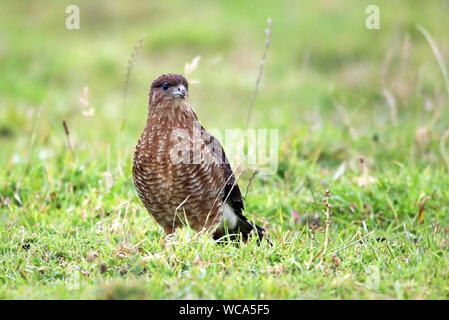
(231, 192)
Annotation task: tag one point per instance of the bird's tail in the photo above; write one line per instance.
(243, 229)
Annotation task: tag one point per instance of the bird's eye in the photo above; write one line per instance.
(165, 86)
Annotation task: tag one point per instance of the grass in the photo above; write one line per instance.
(72, 226)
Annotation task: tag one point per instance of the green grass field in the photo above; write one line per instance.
(373, 102)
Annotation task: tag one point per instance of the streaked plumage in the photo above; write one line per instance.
(181, 171)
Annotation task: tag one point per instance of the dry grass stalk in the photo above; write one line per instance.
(131, 63)
(84, 100)
(391, 101)
(67, 134)
(443, 147)
(250, 182)
(190, 67)
(437, 54)
(119, 222)
(390, 203)
(443, 69)
(351, 244)
(327, 212)
(421, 209)
(176, 212)
(268, 31)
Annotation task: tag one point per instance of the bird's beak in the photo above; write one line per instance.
(179, 92)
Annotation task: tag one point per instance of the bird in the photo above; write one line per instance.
(181, 172)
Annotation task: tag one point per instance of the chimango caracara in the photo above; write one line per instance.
(181, 172)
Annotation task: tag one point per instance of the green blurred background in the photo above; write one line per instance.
(325, 70)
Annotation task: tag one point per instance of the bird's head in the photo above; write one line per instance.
(169, 87)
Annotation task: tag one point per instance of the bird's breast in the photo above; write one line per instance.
(166, 174)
